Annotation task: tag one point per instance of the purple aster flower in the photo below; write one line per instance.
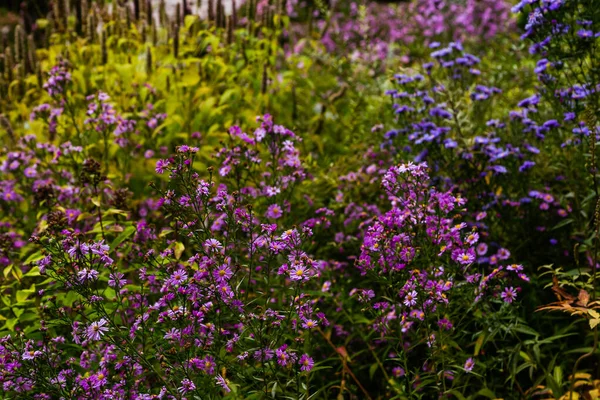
(306, 363)
(526, 165)
(213, 246)
(178, 277)
(186, 386)
(72, 215)
(482, 249)
(223, 383)
(274, 211)
(87, 275)
(161, 165)
(223, 273)
(97, 329)
(116, 280)
(503, 254)
(469, 364)
(298, 273)
(410, 299)
(31, 354)
(585, 33)
(509, 294)
(309, 324)
(466, 258)
(207, 364)
(472, 238)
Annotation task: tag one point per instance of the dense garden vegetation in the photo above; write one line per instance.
(301, 200)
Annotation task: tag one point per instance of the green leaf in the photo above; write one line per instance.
(179, 248)
(372, 370)
(478, 344)
(558, 375)
(274, 390)
(562, 223)
(35, 271)
(22, 295)
(122, 237)
(10, 324)
(487, 393)
(457, 394)
(525, 329)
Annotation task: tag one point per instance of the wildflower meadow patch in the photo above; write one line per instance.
(271, 199)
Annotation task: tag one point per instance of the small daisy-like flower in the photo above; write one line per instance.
(116, 280)
(178, 277)
(87, 275)
(523, 276)
(213, 246)
(469, 364)
(186, 386)
(161, 165)
(514, 267)
(509, 294)
(465, 258)
(503, 254)
(31, 354)
(97, 329)
(431, 340)
(173, 334)
(274, 211)
(207, 364)
(298, 273)
(482, 249)
(309, 324)
(223, 383)
(410, 299)
(306, 363)
(222, 273)
(472, 238)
